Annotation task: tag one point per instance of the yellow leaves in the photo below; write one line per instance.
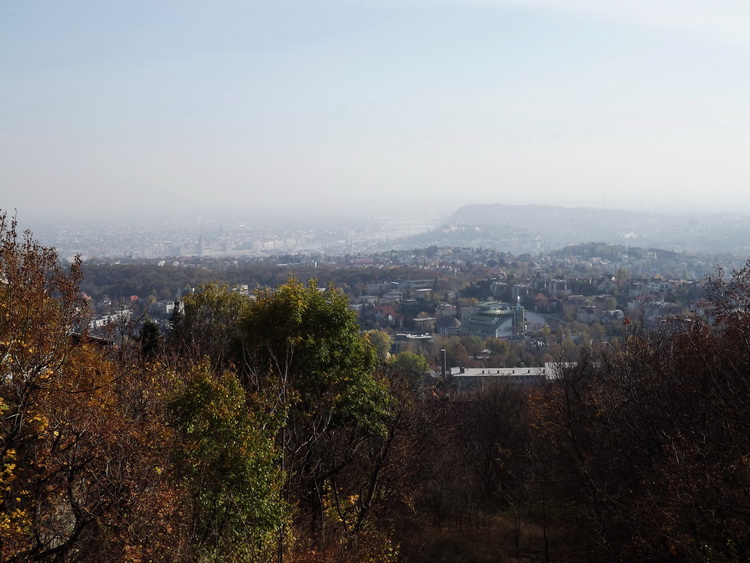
(14, 522)
(39, 421)
(9, 466)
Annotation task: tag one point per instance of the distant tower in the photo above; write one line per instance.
(519, 320)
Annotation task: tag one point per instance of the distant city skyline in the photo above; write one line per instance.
(141, 109)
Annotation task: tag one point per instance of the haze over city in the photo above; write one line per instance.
(407, 281)
(138, 109)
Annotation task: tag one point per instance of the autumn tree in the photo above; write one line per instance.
(646, 445)
(38, 310)
(78, 461)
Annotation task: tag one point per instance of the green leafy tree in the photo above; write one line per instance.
(409, 363)
(473, 345)
(382, 341)
(304, 345)
(545, 332)
(226, 459)
(308, 341)
(150, 339)
(209, 325)
(498, 346)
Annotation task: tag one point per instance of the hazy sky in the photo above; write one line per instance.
(121, 107)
